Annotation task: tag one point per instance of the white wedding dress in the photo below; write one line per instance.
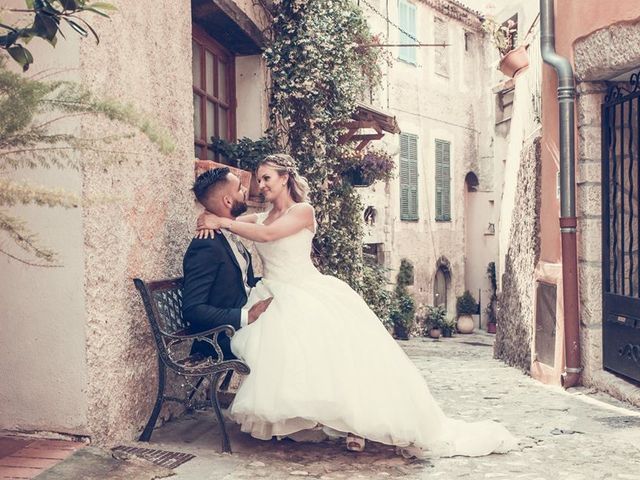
(320, 357)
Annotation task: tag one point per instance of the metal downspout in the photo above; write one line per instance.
(568, 223)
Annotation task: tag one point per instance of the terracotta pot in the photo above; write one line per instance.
(435, 333)
(514, 61)
(465, 324)
(491, 327)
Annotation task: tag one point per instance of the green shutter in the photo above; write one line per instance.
(408, 177)
(407, 22)
(443, 180)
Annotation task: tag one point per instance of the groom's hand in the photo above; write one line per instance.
(258, 309)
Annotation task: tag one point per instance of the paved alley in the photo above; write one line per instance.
(571, 435)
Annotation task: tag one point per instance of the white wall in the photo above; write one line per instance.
(43, 372)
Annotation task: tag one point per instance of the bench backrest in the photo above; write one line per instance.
(163, 303)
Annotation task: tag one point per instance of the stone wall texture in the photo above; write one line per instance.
(601, 55)
(516, 301)
(142, 225)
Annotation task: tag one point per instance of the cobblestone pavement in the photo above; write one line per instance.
(571, 435)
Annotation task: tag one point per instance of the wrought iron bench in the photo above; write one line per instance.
(163, 303)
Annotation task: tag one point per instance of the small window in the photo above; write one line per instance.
(373, 253)
(408, 177)
(370, 214)
(443, 181)
(467, 41)
(213, 94)
(407, 23)
(441, 54)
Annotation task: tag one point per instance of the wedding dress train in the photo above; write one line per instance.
(320, 356)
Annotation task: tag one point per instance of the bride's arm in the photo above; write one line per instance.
(295, 220)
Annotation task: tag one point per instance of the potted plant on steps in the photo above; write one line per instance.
(513, 58)
(466, 306)
(448, 327)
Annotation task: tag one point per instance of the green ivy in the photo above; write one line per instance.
(318, 70)
(245, 153)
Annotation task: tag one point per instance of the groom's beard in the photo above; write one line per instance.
(238, 208)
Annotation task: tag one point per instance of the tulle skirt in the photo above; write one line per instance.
(320, 357)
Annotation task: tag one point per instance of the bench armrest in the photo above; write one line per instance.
(228, 329)
(203, 337)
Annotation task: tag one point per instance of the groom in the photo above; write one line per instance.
(218, 274)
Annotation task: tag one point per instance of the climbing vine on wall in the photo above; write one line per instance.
(319, 70)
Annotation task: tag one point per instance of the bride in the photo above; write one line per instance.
(319, 357)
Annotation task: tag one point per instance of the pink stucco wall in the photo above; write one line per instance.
(574, 20)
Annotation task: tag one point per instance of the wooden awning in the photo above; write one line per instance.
(368, 124)
(229, 25)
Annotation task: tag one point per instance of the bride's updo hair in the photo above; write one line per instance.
(283, 163)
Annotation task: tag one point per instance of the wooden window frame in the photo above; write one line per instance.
(206, 43)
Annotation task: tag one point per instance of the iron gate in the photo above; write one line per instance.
(621, 229)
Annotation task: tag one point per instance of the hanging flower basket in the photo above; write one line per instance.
(514, 61)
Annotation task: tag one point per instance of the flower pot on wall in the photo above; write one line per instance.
(491, 327)
(435, 333)
(514, 61)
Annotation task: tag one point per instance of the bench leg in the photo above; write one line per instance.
(226, 446)
(148, 429)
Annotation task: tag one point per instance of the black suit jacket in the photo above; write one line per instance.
(213, 292)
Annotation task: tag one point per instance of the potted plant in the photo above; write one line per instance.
(245, 154)
(435, 321)
(448, 327)
(514, 58)
(403, 308)
(491, 310)
(466, 306)
(371, 166)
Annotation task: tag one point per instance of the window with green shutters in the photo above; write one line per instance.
(407, 21)
(443, 181)
(408, 177)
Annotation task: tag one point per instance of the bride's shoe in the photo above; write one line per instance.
(355, 443)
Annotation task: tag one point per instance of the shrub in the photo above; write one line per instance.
(466, 304)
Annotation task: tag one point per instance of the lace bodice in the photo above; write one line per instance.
(288, 258)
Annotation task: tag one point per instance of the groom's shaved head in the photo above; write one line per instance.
(209, 181)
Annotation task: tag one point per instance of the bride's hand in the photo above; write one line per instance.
(207, 224)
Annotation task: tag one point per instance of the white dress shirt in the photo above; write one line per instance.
(233, 241)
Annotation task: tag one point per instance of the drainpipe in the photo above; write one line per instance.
(568, 223)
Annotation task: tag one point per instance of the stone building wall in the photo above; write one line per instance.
(143, 230)
(516, 301)
(601, 55)
(433, 105)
